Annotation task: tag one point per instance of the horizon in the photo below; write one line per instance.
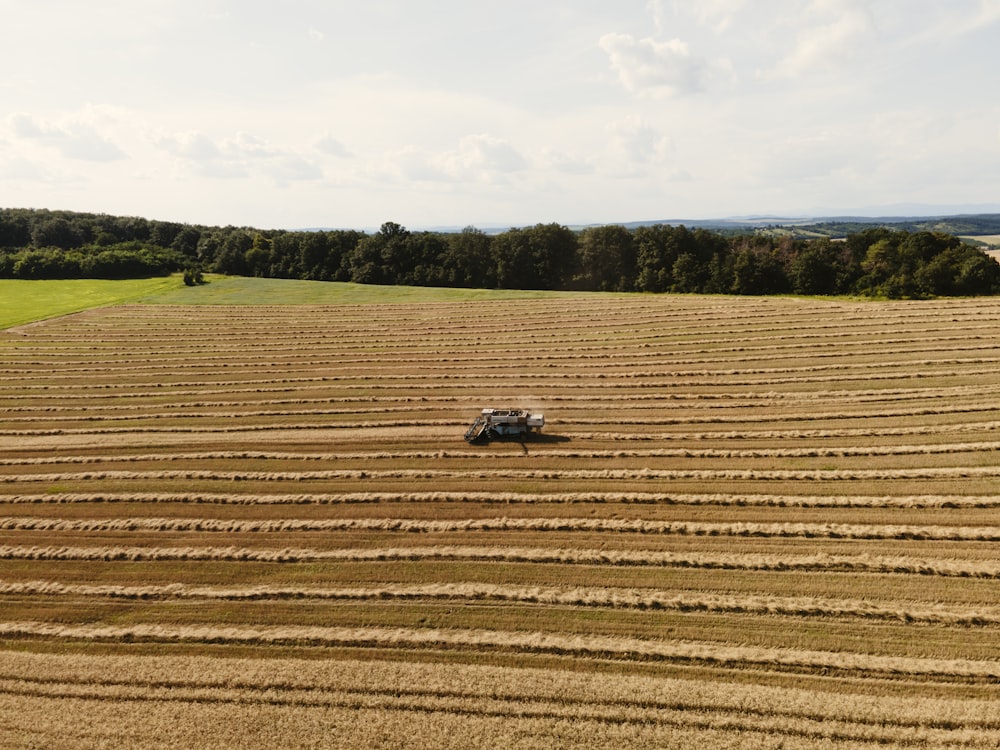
(898, 213)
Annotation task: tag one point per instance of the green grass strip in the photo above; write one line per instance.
(239, 290)
(23, 301)
(28, 301)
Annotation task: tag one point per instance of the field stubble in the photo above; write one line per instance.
(744, 519)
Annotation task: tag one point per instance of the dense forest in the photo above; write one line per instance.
(875, 261)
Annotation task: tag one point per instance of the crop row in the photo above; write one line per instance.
(578, 596)
(512, 498)
(579, 362)
(857, 563)
(602, 525)
(544, 453)
(677, 651)
(650, 475)
(209, 718)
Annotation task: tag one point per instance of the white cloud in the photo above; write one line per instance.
(238, 156)
(987, 16)
(329, 145)
(956, 20)
(74, 139)
(833, 33)
(485, 153)
(658, 9)
(649, 67)
(717, 15)
(478, 158)
(285, 168)
(20, 169)
(637, 144)
(571, 164)
(191, 145)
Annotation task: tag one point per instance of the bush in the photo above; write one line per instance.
(193, 276)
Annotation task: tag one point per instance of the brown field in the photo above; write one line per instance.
(748, 523)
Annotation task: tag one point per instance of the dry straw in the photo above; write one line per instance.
(517, 641)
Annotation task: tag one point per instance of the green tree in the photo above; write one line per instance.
(257, 259)
(977, 273)
(56, 232)
(383, 257)
(163, 233)
(14, 229)
(231, 257)
(186, 241)
(757, 268)
(468, 260)
(607, 260)
(541, 257)
(815, 268)
(512, 255)
(657, 250)
(689, 273)
(555, 255)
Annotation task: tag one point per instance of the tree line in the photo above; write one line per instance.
(876, 261)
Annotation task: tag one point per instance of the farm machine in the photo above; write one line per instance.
(492, 424)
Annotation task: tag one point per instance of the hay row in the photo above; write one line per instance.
(342, 331)
(743, 435)
(584, 306)
(596, 421)
(624, 399)
(469, 680)
(949, 568)
(843, 432)
(567, 356)
(818, 475)
(916, 367)
(233, 427)
(601, 597)
(535, 454)
(587, 525)
(604, 357)
(505, 693)
(302, 330)
(563, 421)
(621, 400)
(341, 335)
(537, 642)
(513, 498)
(549, 721)
(189, 411)
(655, 407)
(701, 379)
(587, 357)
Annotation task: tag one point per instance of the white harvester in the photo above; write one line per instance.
(500, 423)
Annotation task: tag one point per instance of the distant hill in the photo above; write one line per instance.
(960, 225)
(964, 225)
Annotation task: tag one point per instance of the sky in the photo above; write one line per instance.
(434, 113)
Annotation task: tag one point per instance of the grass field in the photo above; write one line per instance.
(26, 301)
(993, 240)
(749, 522)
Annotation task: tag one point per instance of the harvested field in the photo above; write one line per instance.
(748, 523)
